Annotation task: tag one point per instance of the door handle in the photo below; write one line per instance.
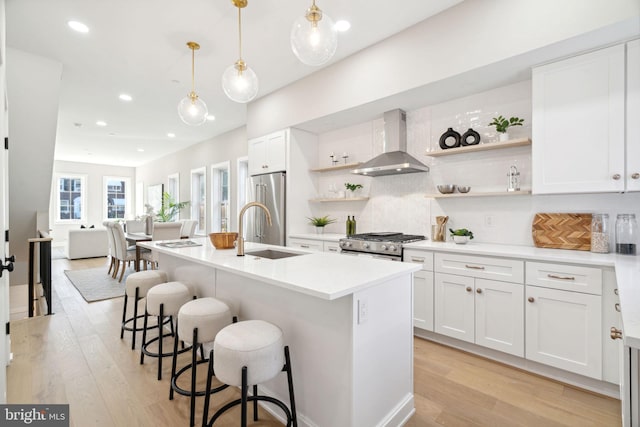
(9, 264)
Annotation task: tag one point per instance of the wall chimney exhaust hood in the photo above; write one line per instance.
(394, 160)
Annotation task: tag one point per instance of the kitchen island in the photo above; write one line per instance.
(347, 320)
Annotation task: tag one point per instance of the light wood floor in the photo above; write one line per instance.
(76, 357)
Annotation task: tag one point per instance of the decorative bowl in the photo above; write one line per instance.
(223, 240)
(461, 240)
(464, 189)
(446, 189)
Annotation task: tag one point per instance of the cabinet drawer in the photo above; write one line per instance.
(311, 245)
(505, 270)
(419, 257)
(331, 247)
(565, 277)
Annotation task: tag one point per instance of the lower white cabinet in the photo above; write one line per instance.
(422, 288)
(312, 245)
(331, 247)
(485, 312)
(563, 330)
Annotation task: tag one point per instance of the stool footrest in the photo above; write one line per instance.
(184, 392)
(152, 354)
(237, 402)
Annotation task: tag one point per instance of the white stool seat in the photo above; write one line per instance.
(172, 295)
(209, 315)
(256, 344)
(144, 280)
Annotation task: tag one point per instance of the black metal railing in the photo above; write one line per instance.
(43, 268)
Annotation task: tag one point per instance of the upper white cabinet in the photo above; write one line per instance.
(633, 115)
(579, 124)
(268, 153)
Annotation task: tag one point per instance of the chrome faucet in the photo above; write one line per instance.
(240, 241)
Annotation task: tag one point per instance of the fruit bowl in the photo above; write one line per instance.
(223, 240)
(446, 188)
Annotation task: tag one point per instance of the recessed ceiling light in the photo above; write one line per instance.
(211, 117)
(171, 135)
(125, 97)
(78, 26)
(101, 123)
(78, 125)
(140, 150)
(342, 25)
(112, 134)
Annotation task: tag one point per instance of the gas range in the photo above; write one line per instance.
(384, 244)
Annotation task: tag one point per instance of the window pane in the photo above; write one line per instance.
(116, 198)
(70, 198)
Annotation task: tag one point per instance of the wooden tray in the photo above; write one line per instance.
(562, 231)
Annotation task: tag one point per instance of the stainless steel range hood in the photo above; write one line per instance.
(394, 160)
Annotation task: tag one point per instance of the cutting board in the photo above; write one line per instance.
(562, 231)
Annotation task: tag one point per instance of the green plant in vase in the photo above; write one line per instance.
(502, 125)
(320, 222)
(170, 208)
(352, 188)
(461, 235)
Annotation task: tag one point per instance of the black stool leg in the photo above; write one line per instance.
(135, 319)
(207, 396)
(194, 357)
(243, 407)
(174, 361)
(161, 334)
(255, 403)
(124, 315)
(144, 334)
(287, 361)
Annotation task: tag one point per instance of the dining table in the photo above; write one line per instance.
(134, 238)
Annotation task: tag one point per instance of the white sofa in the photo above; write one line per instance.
(87, 243)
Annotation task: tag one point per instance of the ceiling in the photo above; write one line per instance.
(139, 47)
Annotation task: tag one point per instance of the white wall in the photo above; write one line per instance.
(465, 37)
(95, 174)
(33, 87)
(226, 147)
(398, 202)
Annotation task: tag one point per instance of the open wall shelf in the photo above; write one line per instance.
(479, 194)
(481, 147)
(337, 167)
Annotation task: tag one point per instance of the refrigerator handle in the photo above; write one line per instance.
(258, 215)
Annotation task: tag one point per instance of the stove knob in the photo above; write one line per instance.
(347, 244)
(383, 247)
(365, 245)
(392, 248)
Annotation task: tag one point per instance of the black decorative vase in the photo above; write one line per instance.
(470, 137)
(450, 139)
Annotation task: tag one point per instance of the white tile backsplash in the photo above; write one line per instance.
(399, 202)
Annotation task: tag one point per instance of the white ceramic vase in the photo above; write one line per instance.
(504, 136)
(461, 240)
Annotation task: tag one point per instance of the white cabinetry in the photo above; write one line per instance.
(268, 153)
(314, 245)
(633, 113)
(473, 306)
(579, 124)
(422, 288)
(563, 327)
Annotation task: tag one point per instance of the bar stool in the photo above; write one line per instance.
(137, 286)
(248, 353)
(199, 321)
(163, 300)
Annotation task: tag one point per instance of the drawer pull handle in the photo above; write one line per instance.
(304, 246)
(553, 276)
(635, 175)
(469, 289)
(416, 259)
(530, 299)
(616, 333)
(615, 291)
(617, 306)
(479, 290)
(475, 267)
(616, 176)
(333, 249)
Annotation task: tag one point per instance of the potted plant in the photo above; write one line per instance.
(503, 124)
(319, 222)
(352, 188)
(170, 208)
(461, 235)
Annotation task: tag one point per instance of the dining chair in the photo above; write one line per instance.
(161, 231)
(124, 256)
(135, 226)
(112, 250)
(188, 228)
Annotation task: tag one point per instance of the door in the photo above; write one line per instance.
(268, 189)
(500, 316)
(454, 306)
(563, 329)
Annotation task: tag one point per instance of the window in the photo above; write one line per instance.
(173, 188)
(139, 198)
(199, 199)
(117, 195)
(220, 197)
(71, 198)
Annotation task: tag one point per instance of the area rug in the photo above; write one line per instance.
(94, 284)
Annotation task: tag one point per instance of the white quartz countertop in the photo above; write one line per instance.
(627, 269)
(320, 274)
(324, 237)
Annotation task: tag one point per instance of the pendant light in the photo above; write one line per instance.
(191, 109)
(239, 81)
(314, 38)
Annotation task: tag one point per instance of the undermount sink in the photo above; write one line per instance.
(272, 254)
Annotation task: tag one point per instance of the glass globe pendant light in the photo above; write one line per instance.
(239, 81)
(191, 109)
(314, 38)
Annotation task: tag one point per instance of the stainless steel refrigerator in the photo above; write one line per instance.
(268, 189)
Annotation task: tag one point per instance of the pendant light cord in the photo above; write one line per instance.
(240, 33)
(193, 66)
